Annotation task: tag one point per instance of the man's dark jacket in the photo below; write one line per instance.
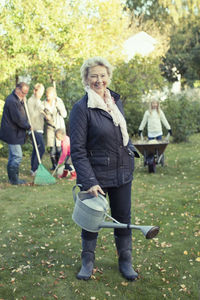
(97, 150)
(14, 121)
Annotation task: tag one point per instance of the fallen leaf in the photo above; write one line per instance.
(198, 259)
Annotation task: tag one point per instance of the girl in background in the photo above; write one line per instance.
(154, 117)
(65, 155)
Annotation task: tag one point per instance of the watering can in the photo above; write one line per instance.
(90, 212)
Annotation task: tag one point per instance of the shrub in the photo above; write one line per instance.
(182, 114)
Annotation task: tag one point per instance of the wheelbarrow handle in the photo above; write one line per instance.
(167, 137)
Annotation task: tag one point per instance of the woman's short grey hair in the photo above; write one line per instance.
(93, 62)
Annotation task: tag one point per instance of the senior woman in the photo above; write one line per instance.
(103, 157)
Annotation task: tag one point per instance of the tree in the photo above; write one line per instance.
(178, 22)
(147, 10)
(134, 79)
(163, 11)
(183, 55)
(46, 38)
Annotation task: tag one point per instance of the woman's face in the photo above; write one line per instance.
(154, 105)
(38, 93)
(51, 96)
(98, 79)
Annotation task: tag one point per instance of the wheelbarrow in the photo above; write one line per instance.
(90, 212)
(153, 152)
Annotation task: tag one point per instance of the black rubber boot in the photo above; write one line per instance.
(13, 173)
(124, 249)
(87, 256)
(57, 157)
(54, 164)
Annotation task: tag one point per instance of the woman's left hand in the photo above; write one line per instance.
(95, 189)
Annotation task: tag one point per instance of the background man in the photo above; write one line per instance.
(14, 124)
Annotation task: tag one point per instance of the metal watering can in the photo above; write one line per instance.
(90, 212)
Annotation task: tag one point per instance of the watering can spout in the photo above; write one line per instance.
(148, 231)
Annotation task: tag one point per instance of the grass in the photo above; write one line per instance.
(40, 245)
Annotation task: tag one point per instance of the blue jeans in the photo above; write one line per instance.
(41, 149)
(15, 155)
(159, 138)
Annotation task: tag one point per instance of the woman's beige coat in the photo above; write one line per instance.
(55, 115)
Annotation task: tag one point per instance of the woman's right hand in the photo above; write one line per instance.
(95, 189)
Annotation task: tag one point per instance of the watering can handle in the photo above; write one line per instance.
(73, 190)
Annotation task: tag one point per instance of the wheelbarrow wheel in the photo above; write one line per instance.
(152, 167)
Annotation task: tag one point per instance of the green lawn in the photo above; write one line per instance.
(40, 244)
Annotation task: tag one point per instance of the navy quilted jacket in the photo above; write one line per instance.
(97, 150)
(14, 121)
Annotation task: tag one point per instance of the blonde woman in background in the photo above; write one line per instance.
(55, 112)
(35, 108)
(154, 117)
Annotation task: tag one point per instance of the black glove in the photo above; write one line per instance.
(170, 131)
(58, 110)
(139, 132)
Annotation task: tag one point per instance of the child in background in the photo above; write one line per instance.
(154, 117)
(65, 154)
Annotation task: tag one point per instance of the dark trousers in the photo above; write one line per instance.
(67, 164)
(120, 205)
(55, 153)
(41, 149)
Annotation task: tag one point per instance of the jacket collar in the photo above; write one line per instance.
(15, 95)
(114, 94)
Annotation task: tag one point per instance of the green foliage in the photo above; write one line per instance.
(162, 11)
(44, 39)
(179, 9)
(41, 245)
(26, 149)
(183, 53)
(183, 116)
(3, 149)
(148, 10)
(132, 80)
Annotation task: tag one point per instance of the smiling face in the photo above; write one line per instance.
(50, 95)
(38, 92)
(154, 105)
(98, 79)
(22, 92)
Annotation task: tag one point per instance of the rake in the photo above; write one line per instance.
(42, 177)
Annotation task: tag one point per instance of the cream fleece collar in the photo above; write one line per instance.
(108, 104)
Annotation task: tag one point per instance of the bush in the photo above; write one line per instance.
(26, 149)
(182, 115)
(134, 114)
(132, 80)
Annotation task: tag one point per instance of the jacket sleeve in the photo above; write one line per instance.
(132, 148)
(63, 154)
(78, 142)
(65, 146)
(61, 108)
(130, 145)
(18, 115)
(144, 121)
(164, 120)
